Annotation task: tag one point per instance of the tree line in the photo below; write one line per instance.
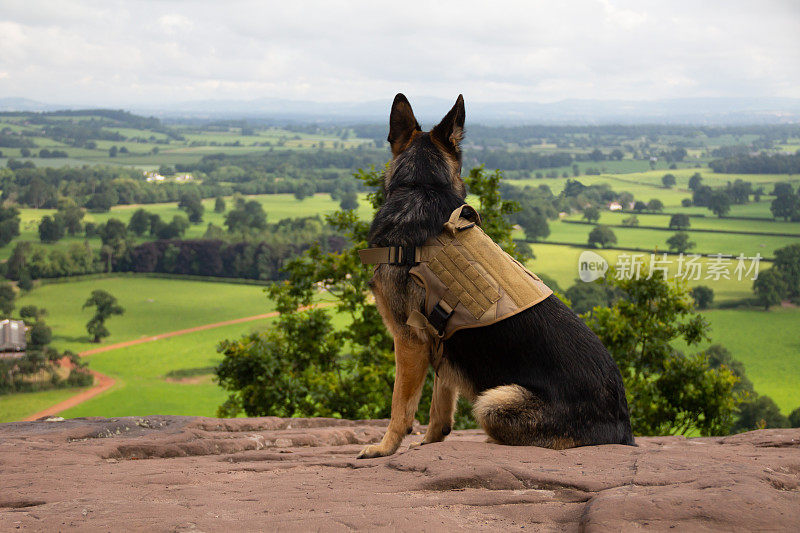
(762, 163)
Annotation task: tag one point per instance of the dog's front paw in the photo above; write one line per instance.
(374, 450)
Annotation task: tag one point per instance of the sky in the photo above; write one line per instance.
(154, 53)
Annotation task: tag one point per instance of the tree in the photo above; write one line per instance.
(702, 296)
(31, 313)
(246, 216)
(787, 263)
(668, 181)
(770, 288)
(492, 208)
(9, 224)
(740, 191)
(602, 236)
(718, 356)
(112, 152)
(166, 170)
(755, 411)
(175, 229)
(631, 221)
(680, 242)
(40, 335)
(794, 418)
(785, 207)
(7, 297)
(584, 297)
(25, 282)
(702, 196)
(782, 189)
(591, 214)
(760, 412)
(679, 222)
(719, 203)
(303, 189)
(655, 205)
(103, 201)
(50, 229)
(113, 232)
(193, 206)
(534, 223)
(219, 205)
(139, 223)
(105, 306)
(639, 206)
(668, 392)
(695, 181)
(70, 215)
(348, 201)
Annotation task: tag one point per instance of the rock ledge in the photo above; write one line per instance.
(175, 473)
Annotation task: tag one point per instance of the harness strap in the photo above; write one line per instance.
(435, 324)
(398, 255)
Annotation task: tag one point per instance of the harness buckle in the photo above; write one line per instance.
(403, 255)
(439, 317)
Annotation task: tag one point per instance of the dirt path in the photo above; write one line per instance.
(103, 382)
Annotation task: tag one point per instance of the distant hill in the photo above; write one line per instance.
(705, 111)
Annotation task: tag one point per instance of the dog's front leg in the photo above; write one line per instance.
(411, 360)
(443, 406)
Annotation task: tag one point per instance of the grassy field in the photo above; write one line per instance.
(142, 386)
(277, 207)
(151, 306)
(561, 264)
(15, 407)
(652, 239)
(765, 341)
(768, 343)
(707, 222)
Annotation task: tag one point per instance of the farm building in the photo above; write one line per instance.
(12, 338)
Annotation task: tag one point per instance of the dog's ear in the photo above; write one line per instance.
(451, 129)
(402, 124)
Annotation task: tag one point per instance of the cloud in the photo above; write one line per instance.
(123, 53)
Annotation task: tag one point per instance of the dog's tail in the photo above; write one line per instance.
(511, 414)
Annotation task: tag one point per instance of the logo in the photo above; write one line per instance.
(591, 266)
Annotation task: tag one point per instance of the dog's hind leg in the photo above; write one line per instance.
(411, 360)
(443, 406)
(513, 415)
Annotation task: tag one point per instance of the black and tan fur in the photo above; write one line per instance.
(540, 377)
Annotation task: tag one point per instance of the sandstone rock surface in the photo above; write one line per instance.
(182, 473)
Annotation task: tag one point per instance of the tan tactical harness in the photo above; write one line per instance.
(469, 280)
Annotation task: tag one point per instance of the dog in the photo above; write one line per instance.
(540, 377)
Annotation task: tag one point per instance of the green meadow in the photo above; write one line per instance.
(653, 239)
(144, 385)
(768, 343)
(615, 218)
(276, 206)
(174, 376)
(15, 407)
(152, 306)
(560, 263)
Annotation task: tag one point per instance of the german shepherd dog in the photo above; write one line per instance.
(540, 377)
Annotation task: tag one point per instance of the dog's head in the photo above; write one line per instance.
(425, 159)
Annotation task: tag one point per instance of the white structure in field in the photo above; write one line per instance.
(12, 338)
